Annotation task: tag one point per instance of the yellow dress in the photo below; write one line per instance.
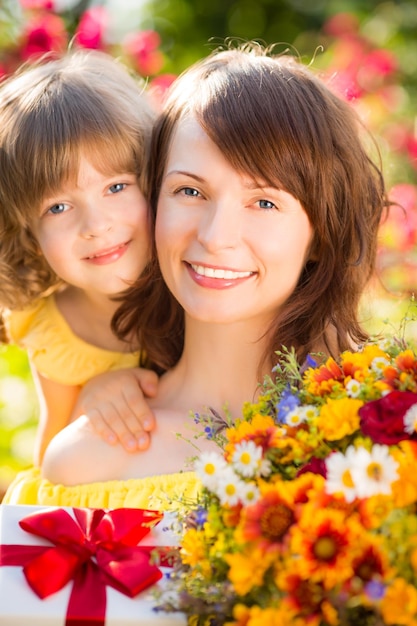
(59, 355)
(165, 492)
(55, 351)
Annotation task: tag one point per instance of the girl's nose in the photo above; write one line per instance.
(95, 223)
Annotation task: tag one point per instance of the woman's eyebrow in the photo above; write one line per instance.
(185, 173)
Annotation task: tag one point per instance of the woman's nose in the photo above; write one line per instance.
(219, 227)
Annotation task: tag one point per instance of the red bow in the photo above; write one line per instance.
(94, 550)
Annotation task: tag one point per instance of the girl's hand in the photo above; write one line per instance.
(115, 403)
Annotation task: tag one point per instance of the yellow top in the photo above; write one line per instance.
(55, 351)
(165, 492)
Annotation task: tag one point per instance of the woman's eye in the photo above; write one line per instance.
(117, 187)
(266, 204)
(56, 209)
(189, 191)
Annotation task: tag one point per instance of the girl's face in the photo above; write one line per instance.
(229, 249)
(94, 234)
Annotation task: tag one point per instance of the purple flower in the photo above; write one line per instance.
(287, 402)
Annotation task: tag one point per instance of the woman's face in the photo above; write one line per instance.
(229, 250)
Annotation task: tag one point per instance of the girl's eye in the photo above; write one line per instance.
(117, 187)
(266, 204)
(56, 209)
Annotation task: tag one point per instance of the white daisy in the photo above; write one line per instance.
(265, 468)
(386, 344)
(338, 476)
(230, 488)
(374, 471)
(208, 467)
(300, 414)
(410, 420)
(353, 388)
(379, 363)
(249, 493)
(247, 458)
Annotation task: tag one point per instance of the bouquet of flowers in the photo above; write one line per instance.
(308, 515)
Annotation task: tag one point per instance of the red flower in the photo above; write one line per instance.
(383, 420)
(158, 88)
(143, 48)
(37, 4)
(44, 33)
(91, 28)
(315, 465)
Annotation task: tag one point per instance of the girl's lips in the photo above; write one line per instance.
(217, 278)
(110, 255)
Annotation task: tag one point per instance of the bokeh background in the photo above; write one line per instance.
(366, 49)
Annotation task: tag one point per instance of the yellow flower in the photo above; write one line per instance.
(405, 488)
(399, 604)
(339, 418)
(271, 617)
(362, 360)
(327, 541)
(192, 547)
(247, 569)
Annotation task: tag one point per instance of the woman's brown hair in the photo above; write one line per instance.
(275, 120)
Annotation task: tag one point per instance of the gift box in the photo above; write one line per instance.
(87, 569)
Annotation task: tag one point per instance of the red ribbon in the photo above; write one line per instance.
(95, 549)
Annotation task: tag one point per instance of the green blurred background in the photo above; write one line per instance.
(368, 51)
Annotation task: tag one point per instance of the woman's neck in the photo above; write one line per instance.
(218, 368)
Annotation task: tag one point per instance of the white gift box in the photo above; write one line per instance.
(20, 606)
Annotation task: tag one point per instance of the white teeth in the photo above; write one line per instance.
(211, 272)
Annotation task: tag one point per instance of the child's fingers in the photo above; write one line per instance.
(148, 381)
(113, 423)
(139, 408)
(116, 405)
(100, 426)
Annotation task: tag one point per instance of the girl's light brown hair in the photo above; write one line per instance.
(84, 103)
(275, 120)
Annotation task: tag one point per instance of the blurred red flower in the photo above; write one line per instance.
(90, 32)
(47, 5)
(383, 420)
(142, 47)
(44, 32)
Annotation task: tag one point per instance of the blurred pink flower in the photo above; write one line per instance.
(341, 24)
(375, 67)
(411, 147)
(142, 47)
(399, 230)
(92, 27)
(47, 5)
(44, 32)
(382, 62)
(158, 87)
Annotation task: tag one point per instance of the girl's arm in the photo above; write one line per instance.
(57, 402)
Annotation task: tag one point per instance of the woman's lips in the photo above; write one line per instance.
(216, 277)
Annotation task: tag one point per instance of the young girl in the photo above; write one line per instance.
(74, 136)
(266, 209)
